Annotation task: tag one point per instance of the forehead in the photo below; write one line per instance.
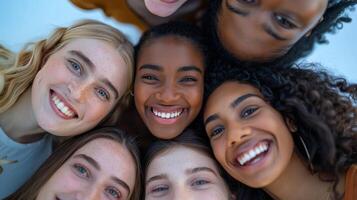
(228, 92)
(164, 49)
(108, 60)
(174, 161)
(113, 158)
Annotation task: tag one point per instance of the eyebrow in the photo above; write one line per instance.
(199, 169)
(236, 10)
(91, 66)
(122, 183)
(234, 104)
(151, 66)
(157, 177)
(89, 160)
(189, 68)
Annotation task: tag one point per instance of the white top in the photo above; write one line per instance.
(20, 161)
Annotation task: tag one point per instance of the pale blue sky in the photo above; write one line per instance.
(22, 21)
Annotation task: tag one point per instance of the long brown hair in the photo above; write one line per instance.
(31, 189)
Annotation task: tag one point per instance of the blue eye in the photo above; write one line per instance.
(248, 112)
(284, 21)
(75, 67)
(113, 192)
(81, 170)
(160, 188)
(102, 94)
(199, 182)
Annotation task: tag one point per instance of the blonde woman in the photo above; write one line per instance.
(64, 85)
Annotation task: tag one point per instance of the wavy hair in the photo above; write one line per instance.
(18, 71)
(31, 189)
(322, 106)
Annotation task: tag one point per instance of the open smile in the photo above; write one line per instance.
(167, 115)
(252, 156)
(61, 107)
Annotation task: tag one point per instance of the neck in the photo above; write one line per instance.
(297, 182)
(19, 122)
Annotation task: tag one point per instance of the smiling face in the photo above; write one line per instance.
(163, 8)
(250, 139)
(78, 86)
(170, 175)
(101, 169)
(168, 85)
(263, 30)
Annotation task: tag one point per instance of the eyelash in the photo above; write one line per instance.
(188, 79)
(283, 21)
(247, 112)
(113, 192)
(159, 188)
(75, 67)
(202, 181)
(78, 169)
(246, 2)
(104, 92)
(217, 131)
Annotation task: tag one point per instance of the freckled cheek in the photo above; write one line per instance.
(95, 111)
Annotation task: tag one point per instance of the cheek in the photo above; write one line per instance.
(194, 97)
(219, 150)
(96, 110)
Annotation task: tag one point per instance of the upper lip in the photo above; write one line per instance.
(65, 101)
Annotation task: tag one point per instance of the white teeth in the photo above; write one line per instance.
(60, 105)
(253, 153)
(167, 115)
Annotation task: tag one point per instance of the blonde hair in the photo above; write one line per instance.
(18, 71)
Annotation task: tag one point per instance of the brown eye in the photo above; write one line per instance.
(247, 112)
(284, 21)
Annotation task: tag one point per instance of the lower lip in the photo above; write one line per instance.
(55, 109)
(169, 1)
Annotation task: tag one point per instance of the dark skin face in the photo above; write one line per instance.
(168, 85)
(261, 30)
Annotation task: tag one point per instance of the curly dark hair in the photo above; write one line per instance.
(184, 30)
(334, 18)
(322, 106)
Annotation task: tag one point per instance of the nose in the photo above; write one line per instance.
(167, 93)
(236, 134)
(90, 193)
(182, 193)
(79, 89)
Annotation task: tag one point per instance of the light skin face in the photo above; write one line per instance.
(261, 30)
(78, 86)
(100, 170)
(171, 175)
(163, 8)
(168, 85)
(250, 139)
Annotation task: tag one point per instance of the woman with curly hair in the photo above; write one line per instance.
(101, 164)
(288, 134)
(273, 32)
(64, 85)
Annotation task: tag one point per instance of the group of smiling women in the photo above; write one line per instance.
(220, 110)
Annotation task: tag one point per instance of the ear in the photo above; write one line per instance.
(291, 125)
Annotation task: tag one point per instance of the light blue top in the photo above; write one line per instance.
(20, 161)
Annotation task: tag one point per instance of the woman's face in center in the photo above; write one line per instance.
(100, 170)
(184, 173)
(168, 87)
(260, 30)
(249, 138)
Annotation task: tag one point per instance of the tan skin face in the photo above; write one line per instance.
(78, 86)
(171, 175)
(250, 139)
(168, 85)
(261, 30)
(100, 170)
